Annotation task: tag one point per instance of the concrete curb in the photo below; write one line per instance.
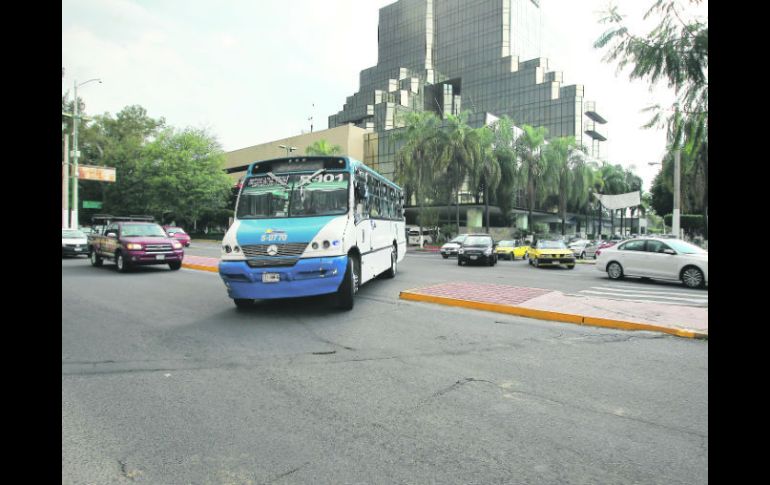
(551, 316)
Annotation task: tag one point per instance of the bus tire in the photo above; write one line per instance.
(243, 303)
(391, 273)
(349, 286)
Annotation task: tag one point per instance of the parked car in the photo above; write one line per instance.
(590, 249)
(578, 247)
(658, 258)
(551, 253)
(511, 249)
(178, 234)
(414, 238)
(603, 245)
(73, 243)
(450, 248)
(477, 248)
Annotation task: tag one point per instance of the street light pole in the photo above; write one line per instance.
(76, 155)
(65, 183)
(677, 195)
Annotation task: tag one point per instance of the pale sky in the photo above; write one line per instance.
(255, 71)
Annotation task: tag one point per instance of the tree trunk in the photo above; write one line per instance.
(486, 205)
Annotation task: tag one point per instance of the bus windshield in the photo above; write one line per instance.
(268, 195)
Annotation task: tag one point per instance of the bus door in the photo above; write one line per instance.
(362, 221)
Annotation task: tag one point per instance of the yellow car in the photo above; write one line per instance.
(511, 249)
(550, 253)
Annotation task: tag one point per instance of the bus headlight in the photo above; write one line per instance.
(227, 248)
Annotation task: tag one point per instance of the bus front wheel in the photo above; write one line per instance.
(349, 285)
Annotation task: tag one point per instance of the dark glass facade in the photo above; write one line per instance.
(451, 55)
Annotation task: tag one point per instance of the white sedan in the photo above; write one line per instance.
(664, 259)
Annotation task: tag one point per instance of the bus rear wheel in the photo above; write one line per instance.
(391, 272)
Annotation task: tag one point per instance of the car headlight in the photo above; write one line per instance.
(487, 252)
(176, 245)
(460, 251)
(133, 246)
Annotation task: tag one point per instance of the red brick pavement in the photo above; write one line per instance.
(487, 293)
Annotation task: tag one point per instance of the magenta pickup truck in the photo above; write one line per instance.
(132, 244)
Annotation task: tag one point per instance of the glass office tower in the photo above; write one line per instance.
(448, 56)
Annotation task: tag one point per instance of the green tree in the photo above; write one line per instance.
(184, 176)
(323, 147)
(564, 172)
(506, 159)
(455, 153)
(533, 165)
(122, 141)
(484, 170)
(419, 160)
(675, 50)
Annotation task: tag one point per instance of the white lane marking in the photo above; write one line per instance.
(654, 297)
(655, 292)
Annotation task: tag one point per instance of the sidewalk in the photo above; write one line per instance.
(679, 320)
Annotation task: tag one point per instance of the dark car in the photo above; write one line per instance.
(477, 248)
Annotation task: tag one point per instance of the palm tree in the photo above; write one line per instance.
(527, 147)
(484, 170)
(564, 173)
(323, 147)
(456, 155)
(506, 159)
(419, 160)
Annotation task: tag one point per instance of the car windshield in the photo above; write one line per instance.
(551, 245)
(684, 247)
(296, 195)
(478, 241)
(506, 244)
(142, 230)
(458, 239)
(175, 230)
(72, 234)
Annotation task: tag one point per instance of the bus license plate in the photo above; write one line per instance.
(160, 256)
(271, 277)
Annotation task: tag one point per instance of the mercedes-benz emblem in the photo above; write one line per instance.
(272, 250)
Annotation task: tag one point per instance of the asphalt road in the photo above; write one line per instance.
(163, 381)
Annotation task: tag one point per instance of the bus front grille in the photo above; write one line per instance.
(284, 250)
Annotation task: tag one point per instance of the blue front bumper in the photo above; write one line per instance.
(308, 277)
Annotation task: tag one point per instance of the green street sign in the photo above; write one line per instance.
(92, 204)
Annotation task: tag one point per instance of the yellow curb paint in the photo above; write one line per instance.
(549, 315)
(200, 267)
(493, 307)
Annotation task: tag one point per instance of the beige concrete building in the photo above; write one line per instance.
(349, 137)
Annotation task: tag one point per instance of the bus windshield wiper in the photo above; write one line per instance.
(272, 176)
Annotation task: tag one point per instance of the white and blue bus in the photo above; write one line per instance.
(312, 225)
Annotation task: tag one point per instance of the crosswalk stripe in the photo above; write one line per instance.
(694, 300)
(652, 292)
